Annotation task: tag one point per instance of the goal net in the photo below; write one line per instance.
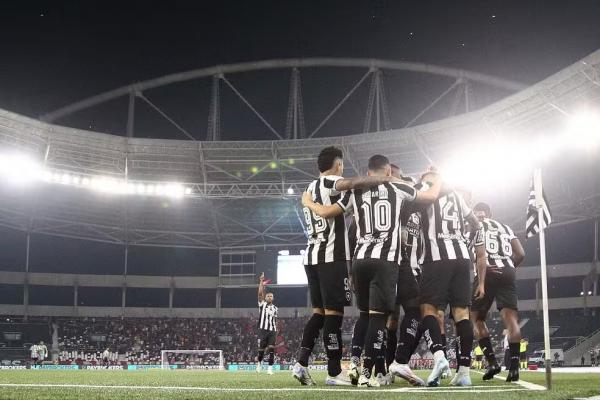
(192, 359)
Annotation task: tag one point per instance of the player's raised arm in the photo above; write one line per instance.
(329, 211)
(435, 186)
(261, 288)
(344, 184)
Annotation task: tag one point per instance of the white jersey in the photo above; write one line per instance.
(42, 351)
(34, 351)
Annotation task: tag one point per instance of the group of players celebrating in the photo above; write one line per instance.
(415, 244)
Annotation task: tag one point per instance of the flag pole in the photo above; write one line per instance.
(537, 183)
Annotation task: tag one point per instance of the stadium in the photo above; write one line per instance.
(130, 260)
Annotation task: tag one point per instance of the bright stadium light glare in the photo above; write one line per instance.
(188, 191)
(290, 190)
(174, 190)
(65, 179)
(150, 189)
(85, 181)
(140, 188)
(583, 130)
(19, 169)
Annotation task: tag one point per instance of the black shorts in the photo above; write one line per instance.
(499, 286)
(407, 288)
(266, 338)
(329, 285)
(375, 284)
(446, 282)
(523, 356)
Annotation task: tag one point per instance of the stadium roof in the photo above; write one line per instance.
(245, 194)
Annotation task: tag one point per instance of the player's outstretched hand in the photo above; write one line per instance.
(480, 292)
(262, 277)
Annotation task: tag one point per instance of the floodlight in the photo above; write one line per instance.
(583, 130)
(65, 179)
(188, 191)
(19, 169)
(290, 190)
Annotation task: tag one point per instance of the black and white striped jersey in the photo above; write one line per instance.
(497, 239)
(413, 248)
(377, 216)
(267, 316)
(327, 238)
(412, 245)
(443, 225)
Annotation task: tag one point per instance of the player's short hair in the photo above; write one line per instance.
(327, 157)
(483, 207)
(394, 166)
(378, 162)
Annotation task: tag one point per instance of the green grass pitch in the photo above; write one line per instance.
(217, 385)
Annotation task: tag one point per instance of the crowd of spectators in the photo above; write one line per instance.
(141, 340)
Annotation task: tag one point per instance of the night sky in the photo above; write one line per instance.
(58, 52)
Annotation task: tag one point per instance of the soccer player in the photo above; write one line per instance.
(325, 263)
(503, 253)
(478, 363)
(267, 326)
(445, 280)
(34, 354)
(377, 255)
(106, 358)
(523, 353)
(42, 351)
(399, 350)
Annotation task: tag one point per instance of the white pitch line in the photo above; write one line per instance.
(490, 389)
(525, 384)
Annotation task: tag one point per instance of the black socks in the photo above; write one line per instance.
(445, 345)
(464, 333)
(515, 353)
(432, 333)
(390, 346)
(488, 351)
(309, 337)
(358, 337)
(271, 356)
(374, 342)
(332, 339)
(410, 334)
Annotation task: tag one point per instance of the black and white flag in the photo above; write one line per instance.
(532, 226)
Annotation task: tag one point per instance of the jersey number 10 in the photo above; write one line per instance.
(378, 216)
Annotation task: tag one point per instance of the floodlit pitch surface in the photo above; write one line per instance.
(157, 384)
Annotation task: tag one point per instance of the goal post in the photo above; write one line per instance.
(193, 358)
